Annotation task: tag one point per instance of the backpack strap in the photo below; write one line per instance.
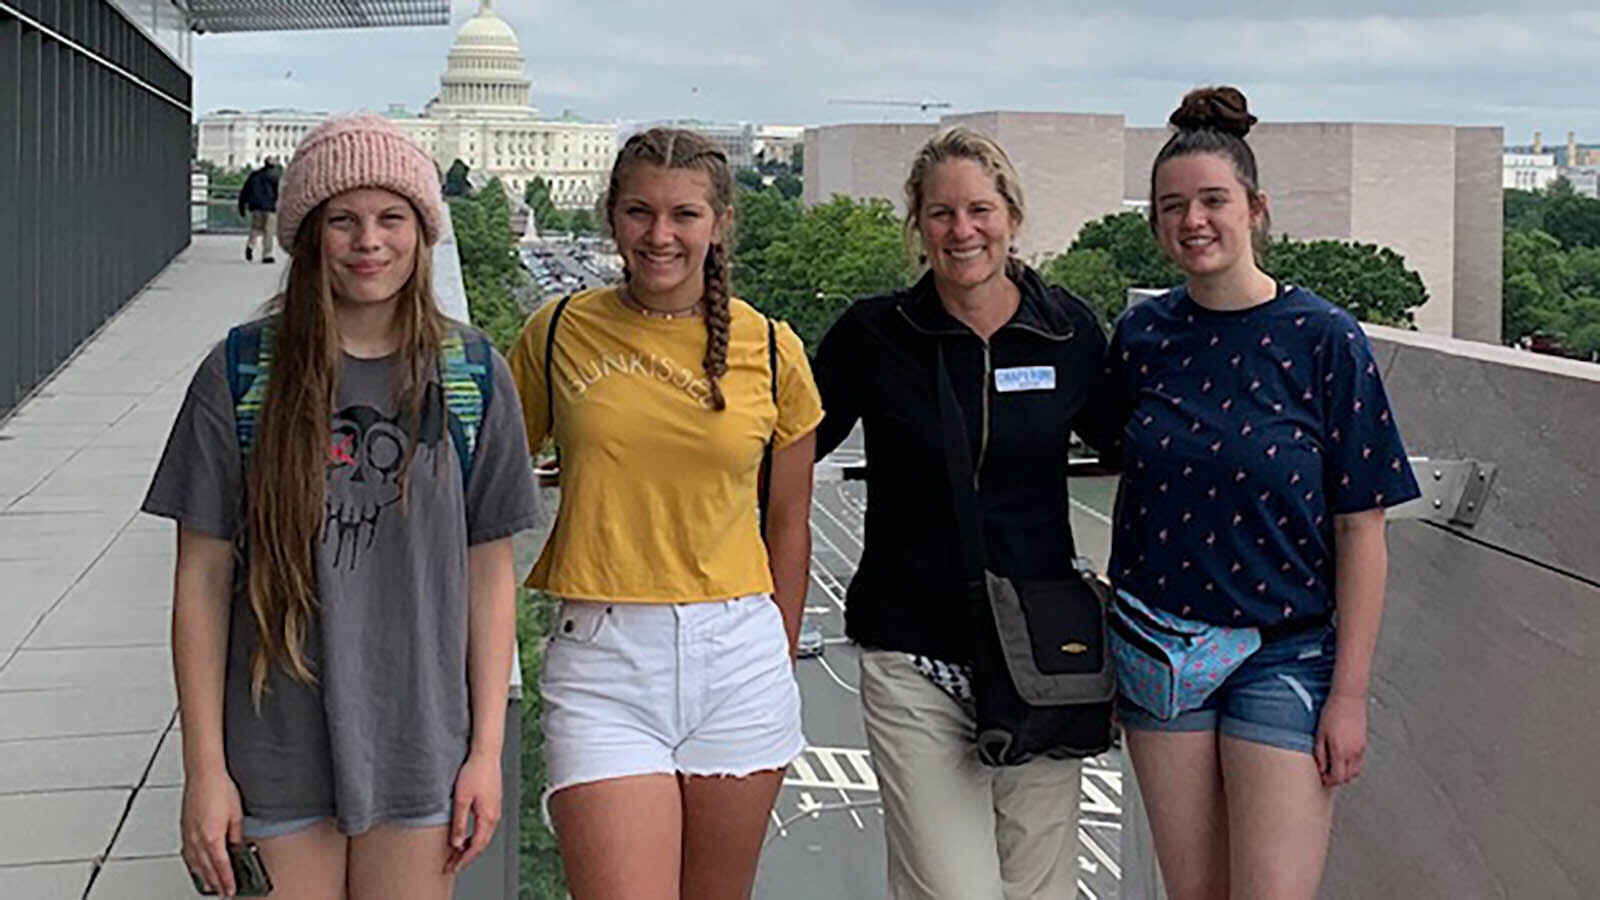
(248, 354)
(765, 493)
(549, 369)
(466, 371)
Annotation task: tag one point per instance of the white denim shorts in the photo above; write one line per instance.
(689, 688)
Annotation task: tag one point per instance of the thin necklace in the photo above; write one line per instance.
(630, 302)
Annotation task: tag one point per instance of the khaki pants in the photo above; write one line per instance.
(955, 828)
(262, 225)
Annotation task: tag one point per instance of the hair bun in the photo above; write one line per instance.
(1221, 109)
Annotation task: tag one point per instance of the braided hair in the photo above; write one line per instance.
(677, 148)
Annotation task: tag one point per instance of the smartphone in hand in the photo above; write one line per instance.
(250, 876)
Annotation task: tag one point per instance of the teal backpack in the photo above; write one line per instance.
(466, 372)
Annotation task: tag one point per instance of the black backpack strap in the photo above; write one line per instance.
(765, 492)
(549, 368)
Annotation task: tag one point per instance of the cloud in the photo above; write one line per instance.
(1462, 61)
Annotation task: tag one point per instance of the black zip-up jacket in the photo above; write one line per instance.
(877, 365)
(260, 191)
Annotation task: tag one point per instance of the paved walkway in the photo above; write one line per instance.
(89, 752)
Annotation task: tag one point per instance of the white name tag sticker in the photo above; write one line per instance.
(1025, 378)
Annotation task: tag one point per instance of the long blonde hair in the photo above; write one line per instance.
(286, 473)
(677, 148)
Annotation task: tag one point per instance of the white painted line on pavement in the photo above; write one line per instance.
(782, 831)
(842, 527)
(819, 533)
(1100, 854)
(1087, 894)
(816, 576)
(1098, 802)
(1091, 512)
(835, 676)
(860, 825)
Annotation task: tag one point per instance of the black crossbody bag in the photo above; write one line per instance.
(1042, 680)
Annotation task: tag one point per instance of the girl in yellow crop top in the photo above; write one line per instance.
(670, 699)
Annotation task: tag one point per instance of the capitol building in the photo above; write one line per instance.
(482, 116)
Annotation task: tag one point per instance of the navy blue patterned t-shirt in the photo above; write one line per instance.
(1249, 432)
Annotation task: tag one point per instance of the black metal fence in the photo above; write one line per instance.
(94, 177)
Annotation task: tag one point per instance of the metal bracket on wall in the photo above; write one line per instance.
(1454, 491)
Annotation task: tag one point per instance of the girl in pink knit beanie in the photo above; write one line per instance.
(364, 460)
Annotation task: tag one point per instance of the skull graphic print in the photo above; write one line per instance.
(366, 457)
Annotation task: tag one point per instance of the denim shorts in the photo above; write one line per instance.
(1275, 698)
(668, 688)
(261, 829)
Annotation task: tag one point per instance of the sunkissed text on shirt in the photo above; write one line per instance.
(642, 365)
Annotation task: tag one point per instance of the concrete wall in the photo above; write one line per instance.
(1537, 417)
(1139, 149)
(1307, 171)
(1070, 166)
(1480, 232)
(861, 160)
(1403, 196)
(1479, 777)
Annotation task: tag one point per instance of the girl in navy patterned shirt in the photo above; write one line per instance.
(1260, 454)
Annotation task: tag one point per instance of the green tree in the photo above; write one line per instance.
(490, 272)
(1373, 283)
(797, 159)
(1092, 274)
(583, 221)
(750, 180)
(1524, 209)
(1537, 274)
(1126, 237)
(830, 254)
(760, 217)
(546, 218)
(455, 180)
(788, 185)
(1573, 219)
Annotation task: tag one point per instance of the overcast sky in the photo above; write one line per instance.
(1470, 62)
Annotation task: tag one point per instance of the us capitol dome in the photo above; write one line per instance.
(483, 115)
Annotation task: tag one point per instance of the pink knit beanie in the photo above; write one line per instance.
(356, 151)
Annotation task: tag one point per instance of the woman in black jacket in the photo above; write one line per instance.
(1024, 359)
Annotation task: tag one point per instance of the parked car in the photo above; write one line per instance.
(811, 642)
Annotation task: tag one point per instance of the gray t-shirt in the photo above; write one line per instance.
(385, 729)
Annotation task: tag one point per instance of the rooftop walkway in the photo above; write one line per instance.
(89, 754)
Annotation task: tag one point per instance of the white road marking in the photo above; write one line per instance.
(840, 768)
(822, 508)
(817, 574)
(782, 831)
(1091, 512)
(1096, 800)
(835, 676)
(845, 798)
(1100, 854)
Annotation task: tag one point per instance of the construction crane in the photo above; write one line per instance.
(923, 105)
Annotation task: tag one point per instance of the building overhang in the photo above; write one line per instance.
(224, 16)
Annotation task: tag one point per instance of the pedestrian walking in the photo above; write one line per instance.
(258, 200)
